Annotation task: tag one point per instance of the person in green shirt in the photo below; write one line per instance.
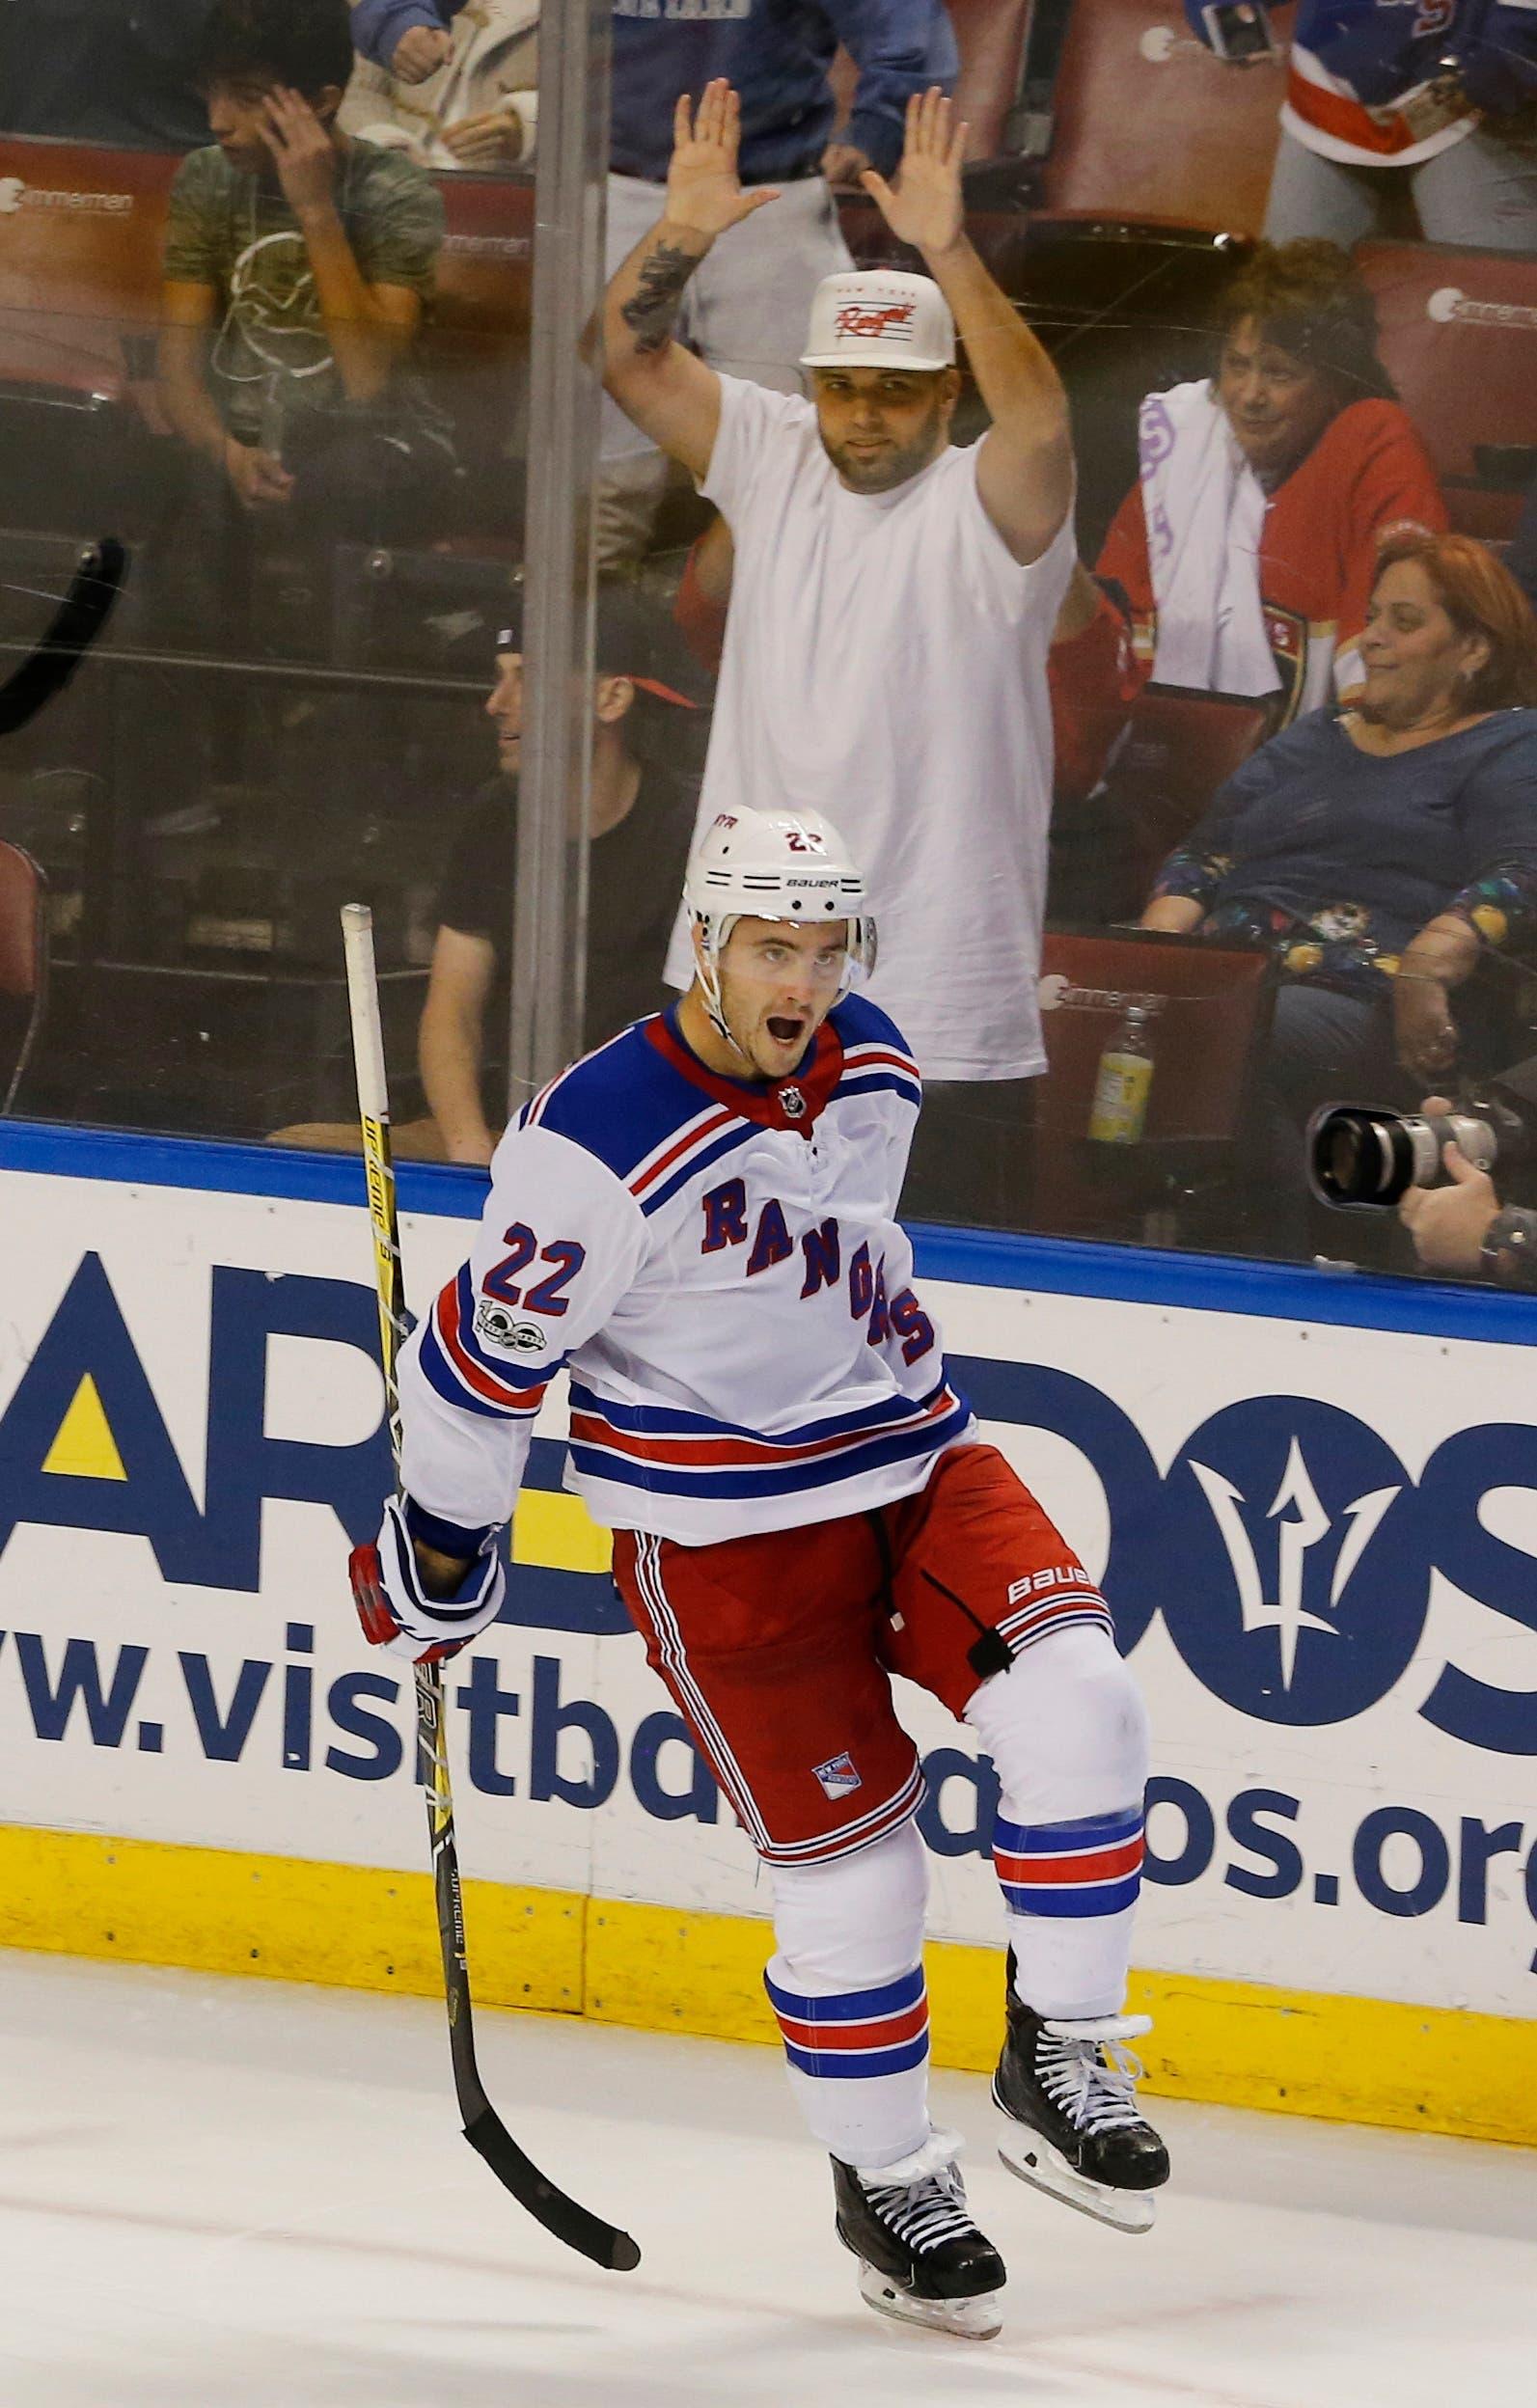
(298, 264)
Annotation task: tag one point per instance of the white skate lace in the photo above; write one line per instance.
(922, 2199)
(1091, 2076)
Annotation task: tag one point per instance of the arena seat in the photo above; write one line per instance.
(1176, 749)
(1179, 747)
(990, 38)
(1459, 338)
(1149, 124)
(1212, 1014)
(23, 965)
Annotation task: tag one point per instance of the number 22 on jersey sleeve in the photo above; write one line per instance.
(546, 1294)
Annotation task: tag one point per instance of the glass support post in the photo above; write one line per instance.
(549, 931)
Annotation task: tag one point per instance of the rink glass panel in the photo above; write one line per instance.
(286, 714)
(286, 710)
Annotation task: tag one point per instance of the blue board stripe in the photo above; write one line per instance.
(982, 1258)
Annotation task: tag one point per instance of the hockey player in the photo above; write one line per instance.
(697, 1222)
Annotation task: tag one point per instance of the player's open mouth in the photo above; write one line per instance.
(783, 1030)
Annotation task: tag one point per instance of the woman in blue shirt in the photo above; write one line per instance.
(1378, 852)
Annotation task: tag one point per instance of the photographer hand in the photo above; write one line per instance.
(1448, 1224)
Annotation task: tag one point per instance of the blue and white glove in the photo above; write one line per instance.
(394, 1609)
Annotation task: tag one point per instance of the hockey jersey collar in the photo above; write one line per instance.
(795, 1102)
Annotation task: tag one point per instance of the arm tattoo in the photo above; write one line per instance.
(652, 307)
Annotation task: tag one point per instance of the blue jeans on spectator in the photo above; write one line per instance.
(1483, 191)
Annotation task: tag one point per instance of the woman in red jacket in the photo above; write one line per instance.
(1248, 548)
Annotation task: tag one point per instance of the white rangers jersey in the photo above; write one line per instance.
(718, 1267)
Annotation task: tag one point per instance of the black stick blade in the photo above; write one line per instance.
(577, 2226)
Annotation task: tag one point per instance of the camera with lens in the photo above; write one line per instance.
(1364, 1158)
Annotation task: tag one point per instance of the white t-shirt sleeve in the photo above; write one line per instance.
(753, 419)
(1034, 590)
(559, 1243)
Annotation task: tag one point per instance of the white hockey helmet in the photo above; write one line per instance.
(791, 865)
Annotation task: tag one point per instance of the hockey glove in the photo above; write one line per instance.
(394, 1609)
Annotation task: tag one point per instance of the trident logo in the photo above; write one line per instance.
(1304, 1521)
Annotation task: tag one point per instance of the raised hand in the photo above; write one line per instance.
(924, 207)
(302, 149)
(703, 190)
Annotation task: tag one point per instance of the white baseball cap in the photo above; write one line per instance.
(878, 317)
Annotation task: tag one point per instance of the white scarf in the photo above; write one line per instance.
(1205, 513)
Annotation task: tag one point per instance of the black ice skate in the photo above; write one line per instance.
(1070, 2092)
(921, 2258)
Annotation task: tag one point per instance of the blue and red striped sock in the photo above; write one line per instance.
(858, 2063)
(1070, 1890)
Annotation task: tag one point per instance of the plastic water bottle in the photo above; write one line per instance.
(1123, 1082)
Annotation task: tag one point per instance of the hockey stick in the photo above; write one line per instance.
(484, 2128)
(74, 627)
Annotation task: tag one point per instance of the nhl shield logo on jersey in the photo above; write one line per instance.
(792, 1103)
(838, 1776)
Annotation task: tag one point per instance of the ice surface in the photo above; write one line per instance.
(244, 2195)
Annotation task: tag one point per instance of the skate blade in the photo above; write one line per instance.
(977, 2319)
(1043, 2167)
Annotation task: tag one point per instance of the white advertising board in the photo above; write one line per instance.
(1319, 1537)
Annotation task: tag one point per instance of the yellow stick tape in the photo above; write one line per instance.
(673, 1969)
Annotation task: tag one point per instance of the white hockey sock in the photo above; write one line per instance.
(1068, 1731)
(847, 1987)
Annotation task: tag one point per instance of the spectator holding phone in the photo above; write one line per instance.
(1381, 95)
(298, 262)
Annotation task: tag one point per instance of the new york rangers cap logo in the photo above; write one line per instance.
(838, 1776)
(879, 318)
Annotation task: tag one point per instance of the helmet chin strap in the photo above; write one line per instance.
(714, 1008)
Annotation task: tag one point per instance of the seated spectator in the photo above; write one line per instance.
(99, 71)
(1248, 546)
(1379, 851)
(641, 811)
(1387, 104)
(456, 84)
(299, 263)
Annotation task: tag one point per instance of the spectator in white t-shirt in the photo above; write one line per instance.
(895, 598)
